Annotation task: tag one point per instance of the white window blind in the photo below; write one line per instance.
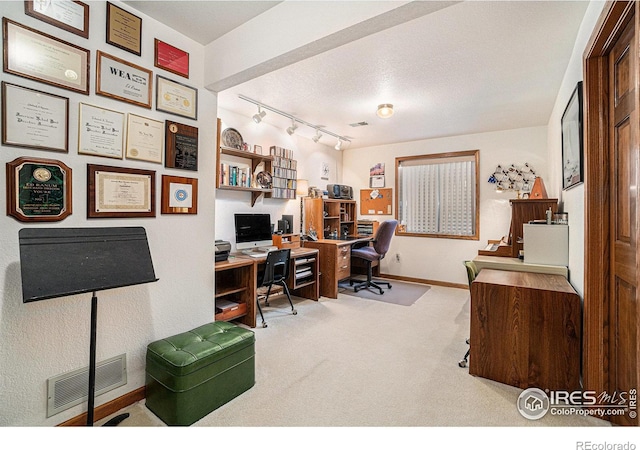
(437, 195)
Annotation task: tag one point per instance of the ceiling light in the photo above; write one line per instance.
(292, 128)
(385, 110)
(257, 118)
(338, 145)
(317, 137)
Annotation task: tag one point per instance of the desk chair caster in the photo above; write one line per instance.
(463, 362)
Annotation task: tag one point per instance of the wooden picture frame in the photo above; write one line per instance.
(70, 15)
(257, 149)
(145, 138)
(181, 146)
(32, 54)
(122, 80)
(572, 141)
(34, 119)
(38, 190)
(120, 192)
(100, 131)
(170, 58)
(179, 195)
(124, 29)
(176, 98)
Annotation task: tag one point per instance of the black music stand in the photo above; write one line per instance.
(56, 262)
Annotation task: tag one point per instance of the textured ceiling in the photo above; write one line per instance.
(471, 67)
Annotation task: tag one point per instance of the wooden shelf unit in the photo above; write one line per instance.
(325, 215)
(236, 282)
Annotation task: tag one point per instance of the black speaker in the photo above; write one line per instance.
(289, 220)
(282, 226)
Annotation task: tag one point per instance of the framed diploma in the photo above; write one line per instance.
(120, 192)
(32, 54)
(179, 195)
(171, 59)
(119, 79)
(34, 119)
(100, 132)
(124, 30)
(176, 98)
(69, 15)
(38, 190)
(144, 139)
(181, 146)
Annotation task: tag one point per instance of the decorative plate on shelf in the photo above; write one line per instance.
(232, 138)
(263, 179)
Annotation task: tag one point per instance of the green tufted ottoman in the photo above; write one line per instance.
(191, 374)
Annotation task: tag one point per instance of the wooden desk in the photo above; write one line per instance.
(237, 281)
(517, 265)
(335, 262)
(525, 330)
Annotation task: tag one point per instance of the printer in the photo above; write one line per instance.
(222, 250)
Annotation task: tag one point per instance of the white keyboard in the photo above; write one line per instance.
(258, 255)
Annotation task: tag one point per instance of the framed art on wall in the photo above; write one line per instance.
(572, 141)
(181, 146)
(100, 132)
(176, 98)
(179, 195)
(144, 139)
(120, 192)
(34, 119)
(32, 54)
(171, 59)
(124, 30)
(69, 15)
(119, 79)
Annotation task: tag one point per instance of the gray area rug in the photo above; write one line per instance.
(401, 293)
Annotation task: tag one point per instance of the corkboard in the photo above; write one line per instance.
(380, 205)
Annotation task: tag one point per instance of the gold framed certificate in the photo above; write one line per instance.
(176, 98)
(100, 132)
(124, 30)
(120, 192)
(32, 54)
(144, 138)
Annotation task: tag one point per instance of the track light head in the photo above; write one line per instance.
(257, 118)
(338, 145)
(292, 128)
(317, 137)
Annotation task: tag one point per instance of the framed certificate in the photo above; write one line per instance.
(124, 30)
(69, 15)
(119, 79)
(171, 59)
(32, 54)
(181, 146)
(100, 132)
(144, 138)
(34, 119)
(176, 98)
(38, 190)
(179, 195)
(120, 192)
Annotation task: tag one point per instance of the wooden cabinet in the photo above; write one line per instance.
(328, 216)
(236, 285)
(247, 162)
(286, 240)
(304, 277)
(525, 330)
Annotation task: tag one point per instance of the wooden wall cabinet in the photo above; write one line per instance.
(326, 216)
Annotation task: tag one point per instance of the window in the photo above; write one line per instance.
(438, 195)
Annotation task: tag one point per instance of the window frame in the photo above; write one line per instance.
(475, 154)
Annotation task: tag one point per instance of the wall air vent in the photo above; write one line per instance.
(358, 124)
(71, 388)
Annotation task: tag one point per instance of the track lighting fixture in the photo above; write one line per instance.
(261, 113)
(385, 110)
(257, 118)
(292, 128)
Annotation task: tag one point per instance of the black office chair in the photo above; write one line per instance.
(472, 272)
(372, 255)
(276, 271)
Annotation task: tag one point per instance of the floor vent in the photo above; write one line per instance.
(70, 389)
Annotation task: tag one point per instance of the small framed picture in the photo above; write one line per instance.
(100, 132)
(124, 30)
(121, 80)
(120, 192)
(176, 98)
(144, 138)
(376, 181)
(69, 15)
(171, 59)
(179, 195)
(257, 149)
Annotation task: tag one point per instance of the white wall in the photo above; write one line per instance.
(308, 154)
(46, 338)
(441, 259)
(572, 200)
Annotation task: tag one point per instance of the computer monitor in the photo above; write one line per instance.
(253, 231)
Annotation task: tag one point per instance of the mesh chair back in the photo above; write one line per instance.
(383, 237)
(277, 266)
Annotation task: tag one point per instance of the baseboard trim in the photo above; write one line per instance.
(424, 281)
(108, 408)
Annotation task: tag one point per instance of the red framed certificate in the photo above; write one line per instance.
(171, 59)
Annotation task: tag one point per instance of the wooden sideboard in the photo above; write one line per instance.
(525, 330)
